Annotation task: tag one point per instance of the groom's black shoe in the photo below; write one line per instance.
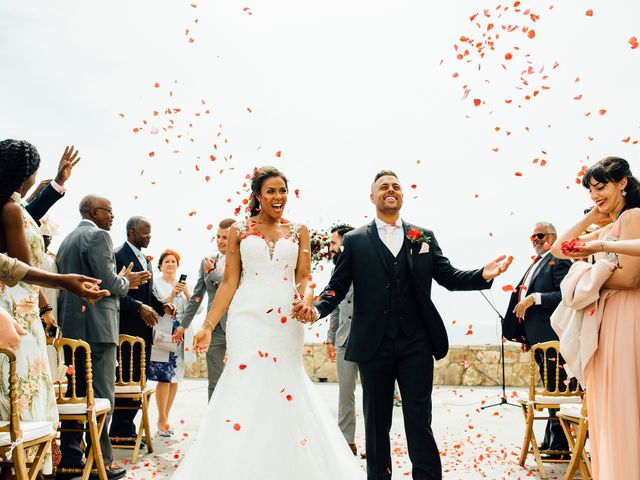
(113, 473)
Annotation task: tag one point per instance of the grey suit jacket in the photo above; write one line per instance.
(340, 321)
(88, 250)
(207, 283)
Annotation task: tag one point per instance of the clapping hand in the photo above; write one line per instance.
(496, 267)
(67, 162)
(135, 278)
(85, 287)
(170, 309)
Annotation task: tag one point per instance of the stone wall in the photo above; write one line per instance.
(468, 365)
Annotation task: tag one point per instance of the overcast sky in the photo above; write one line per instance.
(342, 89)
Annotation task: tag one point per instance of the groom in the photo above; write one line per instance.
(396, 330)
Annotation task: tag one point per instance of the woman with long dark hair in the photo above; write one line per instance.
(264, 418)
(20, 237)
(613, 381)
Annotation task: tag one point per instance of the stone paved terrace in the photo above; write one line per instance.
(474, 444)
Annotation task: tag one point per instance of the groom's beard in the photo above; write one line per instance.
(335, 257)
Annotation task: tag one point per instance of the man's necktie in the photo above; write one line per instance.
(524, 279)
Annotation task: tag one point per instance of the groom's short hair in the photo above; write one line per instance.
(383, 173)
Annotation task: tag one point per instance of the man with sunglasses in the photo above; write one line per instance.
(527, 320)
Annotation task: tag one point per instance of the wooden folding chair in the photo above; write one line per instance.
(91, 413)
(575, 423)
(137, 390)
(17, 438)
(551, 394)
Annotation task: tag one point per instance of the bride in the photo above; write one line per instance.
(264, 419)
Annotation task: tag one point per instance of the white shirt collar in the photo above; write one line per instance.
(90, 221)
(542, 257)
(135, 249)
(381, 224)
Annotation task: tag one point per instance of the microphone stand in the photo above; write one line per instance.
(503, 398)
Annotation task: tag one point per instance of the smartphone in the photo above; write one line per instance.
(183, 278)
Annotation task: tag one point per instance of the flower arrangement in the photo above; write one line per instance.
(320, 241)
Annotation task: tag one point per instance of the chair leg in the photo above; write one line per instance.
(536, 450)
(145, 421)
(36, 465)
(19, 457)
(582, 459)
(95, 426)
(527, 435)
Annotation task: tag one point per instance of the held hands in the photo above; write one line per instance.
(497, 267)
(67, 162)
(202, 340)
(303, 310)
(522, 307)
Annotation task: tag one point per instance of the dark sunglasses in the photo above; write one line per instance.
(539, 236)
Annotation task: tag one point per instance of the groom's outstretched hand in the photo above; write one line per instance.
(497, 267)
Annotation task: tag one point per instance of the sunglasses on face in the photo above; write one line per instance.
(538, 236)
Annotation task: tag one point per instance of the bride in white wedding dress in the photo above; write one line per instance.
(264, 420)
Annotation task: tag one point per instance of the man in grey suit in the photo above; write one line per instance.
(88, 250)
(337, 339)
(210, 276)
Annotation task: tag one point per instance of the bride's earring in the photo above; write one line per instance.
(623, 193)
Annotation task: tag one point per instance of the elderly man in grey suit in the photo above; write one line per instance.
(337, 338)
(88, 250)
(210, 276)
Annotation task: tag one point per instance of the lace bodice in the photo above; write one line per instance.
(264, 258)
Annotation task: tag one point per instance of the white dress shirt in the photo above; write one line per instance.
(139, 255)
(537, 297)
(397, 237)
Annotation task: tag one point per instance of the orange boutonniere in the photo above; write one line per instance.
(415, 235)
(149, 258)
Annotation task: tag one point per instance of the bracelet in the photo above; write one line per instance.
(602, 242)
(209, 322)
(45, 309)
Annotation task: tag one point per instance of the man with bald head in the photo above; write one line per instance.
(139, 312)
(88, 250)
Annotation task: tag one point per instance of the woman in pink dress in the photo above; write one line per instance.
(613, 381)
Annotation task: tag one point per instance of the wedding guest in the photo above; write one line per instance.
(528, 319)
(613, 382)
(88, 249)
(337, 338)
(170, 372)
(139, 312)
(20, 237)
(209, 278)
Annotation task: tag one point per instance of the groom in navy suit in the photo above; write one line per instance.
(396, 330)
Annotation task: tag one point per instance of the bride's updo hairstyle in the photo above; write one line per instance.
(615, 169)
(259, 176)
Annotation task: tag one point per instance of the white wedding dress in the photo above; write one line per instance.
(264, 420)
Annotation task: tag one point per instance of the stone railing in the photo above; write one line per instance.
(470, 365)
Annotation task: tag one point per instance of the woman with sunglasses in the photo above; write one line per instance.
(613, 382)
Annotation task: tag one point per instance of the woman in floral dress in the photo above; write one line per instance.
(20, 237)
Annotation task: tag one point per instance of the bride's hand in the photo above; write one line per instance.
(202, 340)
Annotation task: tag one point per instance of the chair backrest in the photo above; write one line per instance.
(137, 355)
(549, 354)
(70, 347)
(13, 427)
